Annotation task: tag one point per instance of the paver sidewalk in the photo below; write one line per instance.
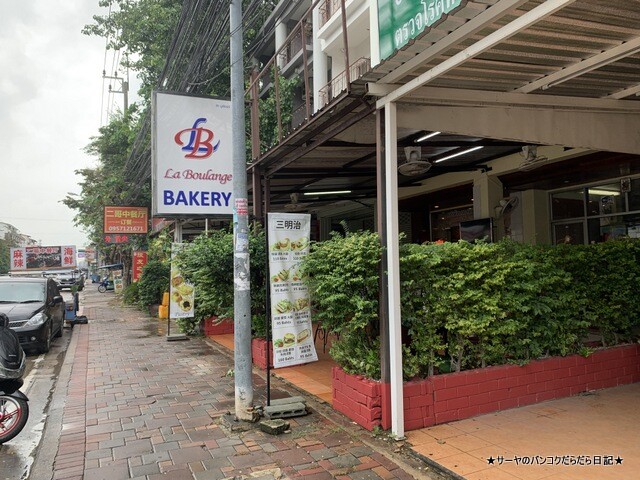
(140, 407)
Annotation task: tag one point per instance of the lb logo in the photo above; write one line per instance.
(200, 142)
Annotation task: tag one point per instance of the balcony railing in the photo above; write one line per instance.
(327, 9)
(339, 83)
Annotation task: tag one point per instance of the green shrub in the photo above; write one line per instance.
(208, 264)
(131, 295)
(472, 305)
(153, 283)
(343, 278)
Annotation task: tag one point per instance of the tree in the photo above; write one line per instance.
(106, 184)
(143, 31)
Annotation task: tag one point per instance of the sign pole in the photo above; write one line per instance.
(241, 274)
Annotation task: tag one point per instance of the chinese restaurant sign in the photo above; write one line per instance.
(292, 332)
(116, 239)
(126, 220)
(43, 258)
(192, 155)
(139, 261)
(181, 292)
(400, 21)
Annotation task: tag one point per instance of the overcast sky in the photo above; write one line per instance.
(50, 105)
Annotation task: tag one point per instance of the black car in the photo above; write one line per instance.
(35, 309)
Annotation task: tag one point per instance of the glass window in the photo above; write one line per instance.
(569, 233)
(22, 292)
(568, 204)
(634, 195)
(605, 200)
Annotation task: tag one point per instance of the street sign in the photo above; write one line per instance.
(400, 21)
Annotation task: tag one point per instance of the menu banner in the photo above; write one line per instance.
(291, 328)
(181, 292)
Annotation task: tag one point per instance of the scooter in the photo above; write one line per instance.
(14, 409)
(103, 285)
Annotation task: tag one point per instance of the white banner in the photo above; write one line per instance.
(192, 155)
(181, 292)
(291, 328)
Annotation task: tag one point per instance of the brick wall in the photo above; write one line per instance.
(358, 398)
(217, 326)
(259, 353)
(455, 396)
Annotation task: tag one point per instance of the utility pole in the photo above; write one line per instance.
(241, 277)
(124, 88)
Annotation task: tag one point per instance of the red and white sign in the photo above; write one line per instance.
(139, 261)
(43, 258)
(126, 220)
(192, 155)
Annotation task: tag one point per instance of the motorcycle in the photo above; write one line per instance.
(14, 406)
(103, 285)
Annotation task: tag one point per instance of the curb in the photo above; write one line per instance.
(43, 465)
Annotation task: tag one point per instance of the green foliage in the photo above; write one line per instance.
(153, 283)
(208, 264)
(343, 278)
(143, 30)
(4, 256)
(268, 111)
(472, 305)
(605, 277)
(131, 294)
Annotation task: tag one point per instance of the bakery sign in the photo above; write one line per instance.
(291, 328)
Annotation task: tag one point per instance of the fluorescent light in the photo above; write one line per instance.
(427, 136)
(336, 192)
(463, 152)
(598, 191)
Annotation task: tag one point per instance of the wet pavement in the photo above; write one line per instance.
(133, 405)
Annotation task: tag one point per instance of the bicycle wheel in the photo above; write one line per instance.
(14, 413)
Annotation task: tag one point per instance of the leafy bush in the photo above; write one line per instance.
(343, 278)
(153, 283)
(131, 295)
(208, 264)
(472, 305)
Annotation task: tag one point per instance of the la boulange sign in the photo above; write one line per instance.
(400, 21)
(192, 155)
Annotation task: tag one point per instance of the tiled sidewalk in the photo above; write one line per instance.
(140, 407)
(574, 438)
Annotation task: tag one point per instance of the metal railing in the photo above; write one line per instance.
(327, 9)
(339, 83)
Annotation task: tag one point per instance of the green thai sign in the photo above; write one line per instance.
(402, 20)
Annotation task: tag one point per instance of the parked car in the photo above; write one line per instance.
(35, 309)
(69, 279)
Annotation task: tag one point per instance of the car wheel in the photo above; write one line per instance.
(45, 346)
(59, 332)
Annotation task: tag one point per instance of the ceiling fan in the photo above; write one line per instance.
(413, 165)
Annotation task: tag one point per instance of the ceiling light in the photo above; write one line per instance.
(335, 192)
(427, 136)
(463, 152)
(599, 191)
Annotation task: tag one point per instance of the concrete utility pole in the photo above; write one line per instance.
(242, 293)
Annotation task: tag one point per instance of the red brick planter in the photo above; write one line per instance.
(217, 326)
(456, 396)
(259, 353)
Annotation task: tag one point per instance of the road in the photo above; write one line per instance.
(41, 374)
